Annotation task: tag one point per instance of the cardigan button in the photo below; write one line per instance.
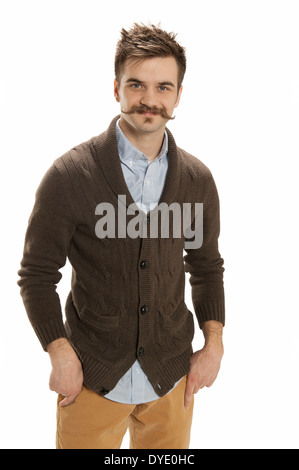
(144, 264)
(141, 351)
(144, 310)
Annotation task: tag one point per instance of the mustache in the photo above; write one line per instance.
(146, 109)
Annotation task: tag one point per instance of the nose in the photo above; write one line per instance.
(149, 98)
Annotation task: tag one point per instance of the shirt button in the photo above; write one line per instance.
(144, 264)
(141, 351)
(144, 310)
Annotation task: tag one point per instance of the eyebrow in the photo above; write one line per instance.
(135, 80)
(167, 84)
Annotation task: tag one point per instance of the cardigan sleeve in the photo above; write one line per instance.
(205, 264)
(49, 231)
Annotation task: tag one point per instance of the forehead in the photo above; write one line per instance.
(156, 69)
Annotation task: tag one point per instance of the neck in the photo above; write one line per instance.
(149, 143)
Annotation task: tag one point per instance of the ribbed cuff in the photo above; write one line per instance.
(49, 331)
(210, 311)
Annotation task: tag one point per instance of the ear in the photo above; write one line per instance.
(179, 97)
(116, 92)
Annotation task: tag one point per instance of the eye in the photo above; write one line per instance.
(136, 86)
(163, 88)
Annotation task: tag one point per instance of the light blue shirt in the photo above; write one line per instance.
(145, 181)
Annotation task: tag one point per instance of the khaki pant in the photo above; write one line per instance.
(94, 422)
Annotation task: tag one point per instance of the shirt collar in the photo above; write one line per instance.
(128, 152)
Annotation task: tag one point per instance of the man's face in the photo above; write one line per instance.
(148, 93)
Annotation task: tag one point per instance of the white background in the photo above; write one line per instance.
(239, 115)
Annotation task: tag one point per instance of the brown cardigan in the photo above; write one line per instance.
(127, 294)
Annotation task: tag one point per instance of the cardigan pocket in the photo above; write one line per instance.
(98, 336)
(98, 322)
(176, 318)
(176, 331)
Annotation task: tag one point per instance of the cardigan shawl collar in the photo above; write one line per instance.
(108, 158)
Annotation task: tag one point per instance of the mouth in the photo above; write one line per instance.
(148, 113)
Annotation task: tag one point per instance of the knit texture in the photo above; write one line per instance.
(104, 319)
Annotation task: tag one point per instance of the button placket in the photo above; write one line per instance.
(144, 296)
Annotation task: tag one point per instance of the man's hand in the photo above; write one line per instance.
(205, 364)
(67, 375)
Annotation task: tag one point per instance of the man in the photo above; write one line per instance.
(123, 358)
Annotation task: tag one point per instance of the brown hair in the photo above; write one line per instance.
(142, 42)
